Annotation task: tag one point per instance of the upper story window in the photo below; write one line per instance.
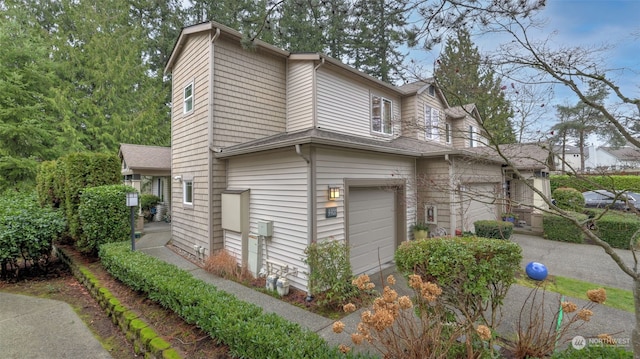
(472, 137)
(187, 192)
(447, 132)
(431, 123)
(188, 98)
(432, 91)
(381, 115)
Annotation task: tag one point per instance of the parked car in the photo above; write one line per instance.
(602, 199)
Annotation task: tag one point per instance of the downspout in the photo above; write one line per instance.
(311, 203)
(452, 196)
(210, 156)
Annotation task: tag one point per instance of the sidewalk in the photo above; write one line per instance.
(584, 262)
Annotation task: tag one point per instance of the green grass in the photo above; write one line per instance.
(616, 298)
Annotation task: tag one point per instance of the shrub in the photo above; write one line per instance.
(618, 229)
(330, 272)
(493, 229)
(244, 327)
(148, 201)
(569, 199)
(590, 183)
(471, 271)
(104, 217)
(27, 232)
(558, 228)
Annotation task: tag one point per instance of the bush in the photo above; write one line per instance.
(244, 327)
(330, 272)
(493, 229)
(27, 232)
(471, 271)
(148, 201)
(617, 229)
(569, 199)
(557, 228)
(590, 183)
(104, 217)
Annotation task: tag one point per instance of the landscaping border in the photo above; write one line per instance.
(144, 339)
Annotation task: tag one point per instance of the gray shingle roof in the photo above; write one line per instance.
(141, 157)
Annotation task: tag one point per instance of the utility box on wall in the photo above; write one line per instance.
(235, 210)
(265, 228)
(254, 260)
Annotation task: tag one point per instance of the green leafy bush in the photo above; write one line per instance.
(569, 199)
(590, 183)
(558, 228)
(617, 228)
(330, 272)
(471, 271)
(493, 229)
(104, 217)
(148, 201)
(27, 232)
(244, 327)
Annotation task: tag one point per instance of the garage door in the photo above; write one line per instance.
(371, 228)
(478, 204)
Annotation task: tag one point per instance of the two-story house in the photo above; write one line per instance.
(272, 150)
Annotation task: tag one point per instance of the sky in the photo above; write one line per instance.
(589, 23)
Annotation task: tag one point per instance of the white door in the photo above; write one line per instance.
(479, 204)
(372, 219)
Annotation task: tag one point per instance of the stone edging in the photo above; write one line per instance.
(144, 339)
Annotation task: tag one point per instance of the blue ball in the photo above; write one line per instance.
(536, 271)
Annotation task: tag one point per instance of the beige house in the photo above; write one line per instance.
(272, 150)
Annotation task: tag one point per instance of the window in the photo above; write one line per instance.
(381, 115)
(431, 119)
(447, 132)
(160, 189)
(188, 98)
(472, 136)
(432, 91)
(187, 192)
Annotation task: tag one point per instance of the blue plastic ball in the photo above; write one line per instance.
(536, 271)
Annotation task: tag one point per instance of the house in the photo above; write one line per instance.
(272, 150)
(148, 169)
(611, 158)
(567, 159)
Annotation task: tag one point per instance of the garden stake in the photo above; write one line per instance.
(559, 321)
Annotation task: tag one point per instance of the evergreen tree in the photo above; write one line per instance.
(464, 80)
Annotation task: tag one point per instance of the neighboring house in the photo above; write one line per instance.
(148, 169)
(567, 159)
(612, 159)
(273, 150)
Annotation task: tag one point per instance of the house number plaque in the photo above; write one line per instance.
(332, 212)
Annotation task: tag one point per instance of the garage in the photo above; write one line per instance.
(372, 228)
(479, 204)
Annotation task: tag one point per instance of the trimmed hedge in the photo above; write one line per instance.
(244, 327)
(493, 229)
(471, 271)
(569, 199)
(104, 216)
(617, 228)
(557, 228)
(590, 183)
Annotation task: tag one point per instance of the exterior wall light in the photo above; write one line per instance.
(334, 193)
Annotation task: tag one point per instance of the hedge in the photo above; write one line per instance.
(471, 271)
(589, 183)
(617, 228)
(244, 327)
(557, 228)
(493, 229)
(569, 199)
(104, 216)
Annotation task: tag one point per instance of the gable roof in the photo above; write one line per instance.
(626, 153)
(141, 157)
(524, 156)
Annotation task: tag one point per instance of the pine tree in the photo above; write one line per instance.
(464, 80)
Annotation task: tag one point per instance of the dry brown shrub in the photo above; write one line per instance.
(225, 265)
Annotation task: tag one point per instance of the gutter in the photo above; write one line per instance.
(210, 155)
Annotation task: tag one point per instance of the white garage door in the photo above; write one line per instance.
(480, 204)
(371, 228)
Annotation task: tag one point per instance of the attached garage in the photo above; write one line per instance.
(479, 203)
(372, 228)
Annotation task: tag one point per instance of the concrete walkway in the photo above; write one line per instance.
(584, 262)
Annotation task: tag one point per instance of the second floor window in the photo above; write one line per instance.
(188, 98)
(431, 123)
(472, 136)
(381, 115)
(447, 132)
(187, 191)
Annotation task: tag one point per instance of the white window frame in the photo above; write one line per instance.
(472, 136)
(431, 123)
(188, 100)
(187, 188)
(378, 122)
(448, 133)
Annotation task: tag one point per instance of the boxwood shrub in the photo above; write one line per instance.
(557, 228)
(471, 271)
(569, 199)
(493, 229)
(244, 327)
(618, 228)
